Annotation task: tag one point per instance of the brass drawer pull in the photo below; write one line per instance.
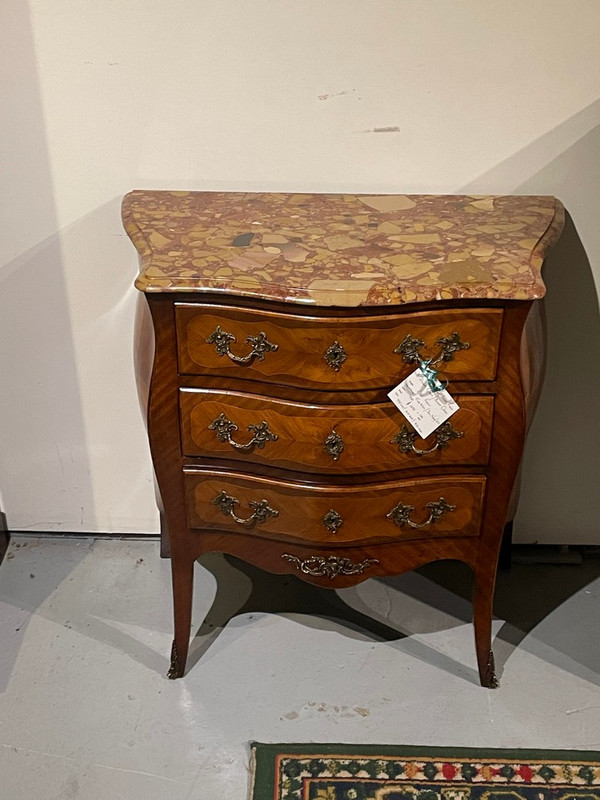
(334, 445)
(261, 510)
(400, 514)
(332, 566)
(405, 439)
(260, 345)
(260, 433)
(409, 349)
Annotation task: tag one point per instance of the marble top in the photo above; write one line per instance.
(341, 249)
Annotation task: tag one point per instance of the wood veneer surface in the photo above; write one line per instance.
(302, 343)
(302, 430)
(363, 509)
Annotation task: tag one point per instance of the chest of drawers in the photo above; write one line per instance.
(280, 322)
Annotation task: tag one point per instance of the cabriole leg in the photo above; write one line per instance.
(182, 571)
(483, 597)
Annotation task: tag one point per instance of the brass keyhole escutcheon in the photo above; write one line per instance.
(332, 520)
(334, 445)
(335, 355)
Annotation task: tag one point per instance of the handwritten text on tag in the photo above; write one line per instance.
(425, 409)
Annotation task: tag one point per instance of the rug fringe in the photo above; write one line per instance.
(252, 771)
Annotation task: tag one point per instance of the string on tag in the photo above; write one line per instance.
(431, 375)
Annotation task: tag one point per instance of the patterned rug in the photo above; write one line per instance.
(374, 772)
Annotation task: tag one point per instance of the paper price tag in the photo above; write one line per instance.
(425, 409)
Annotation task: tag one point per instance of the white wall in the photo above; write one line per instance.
(254, 94)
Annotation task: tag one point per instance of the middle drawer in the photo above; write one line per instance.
(329, 439)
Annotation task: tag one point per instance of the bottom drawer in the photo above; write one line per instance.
(289, 511)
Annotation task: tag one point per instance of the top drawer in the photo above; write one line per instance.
(335, 352)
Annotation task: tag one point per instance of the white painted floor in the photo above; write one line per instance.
(86, 710)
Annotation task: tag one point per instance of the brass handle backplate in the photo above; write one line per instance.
(261, 510)
(406, 438)
(332, 566)
(260, 345)
(400, 514)
(261, 434)
(410, 348)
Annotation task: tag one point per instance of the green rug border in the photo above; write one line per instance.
(263, 756)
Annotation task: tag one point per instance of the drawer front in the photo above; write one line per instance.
(328, 439)
(287, 511)
(335, 353)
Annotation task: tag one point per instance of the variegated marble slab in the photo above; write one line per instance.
(342, 250)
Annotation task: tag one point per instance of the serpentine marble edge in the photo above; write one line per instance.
(342, 250)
